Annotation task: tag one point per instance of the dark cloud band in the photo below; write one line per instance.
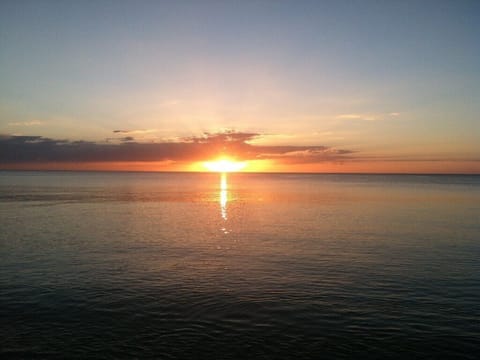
(37, 149)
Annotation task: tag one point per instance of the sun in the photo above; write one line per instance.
(224, 165)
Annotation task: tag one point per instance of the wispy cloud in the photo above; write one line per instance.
(170, 103)
(357, 117)
(26, 123)
(137, 131)
(309, 155)
(368, 117)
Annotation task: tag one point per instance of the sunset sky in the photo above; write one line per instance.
(320, 86)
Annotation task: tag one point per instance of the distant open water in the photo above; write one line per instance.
(185, 266)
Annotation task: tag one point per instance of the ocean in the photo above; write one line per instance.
(103, 265)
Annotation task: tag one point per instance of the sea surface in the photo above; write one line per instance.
(241, 266)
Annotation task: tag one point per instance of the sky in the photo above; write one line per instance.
(315, 86)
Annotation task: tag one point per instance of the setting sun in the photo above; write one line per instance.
(224, 165)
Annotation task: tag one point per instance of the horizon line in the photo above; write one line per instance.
(239, 172)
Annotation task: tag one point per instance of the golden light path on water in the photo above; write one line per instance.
(223, 195)
(223, 166)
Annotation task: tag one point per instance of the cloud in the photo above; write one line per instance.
(357, 117)
(229, 136)
(310, 155)
(127, 138)
(169, 103)
(138, 131)
(26, 123)
(38, 149)
(368, 117)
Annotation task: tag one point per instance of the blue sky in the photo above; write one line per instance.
(392, 80)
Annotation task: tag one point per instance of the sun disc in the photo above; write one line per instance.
(224, 165)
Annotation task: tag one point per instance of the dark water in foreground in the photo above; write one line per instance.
(109, 265)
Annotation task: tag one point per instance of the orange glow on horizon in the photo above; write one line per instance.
(224, 165)
(247, 166)
(265, 165)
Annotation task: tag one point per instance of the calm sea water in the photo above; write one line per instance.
(152, 265)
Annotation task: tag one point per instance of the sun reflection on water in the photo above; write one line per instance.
(223, 195)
